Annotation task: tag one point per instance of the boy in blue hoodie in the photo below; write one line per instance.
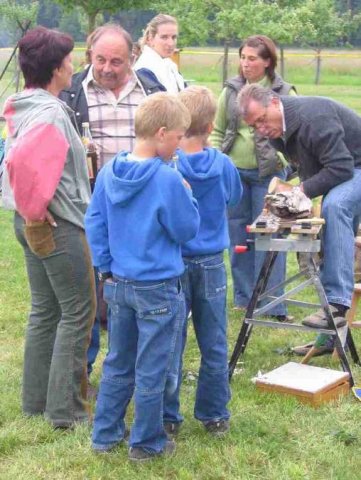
(140, 213)
(215, 184)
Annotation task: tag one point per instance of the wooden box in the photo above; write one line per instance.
(312, 385)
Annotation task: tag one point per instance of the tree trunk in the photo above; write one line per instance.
(225, 61)
(282, 61)
(17, 75)
(91, 21)
(318, 66)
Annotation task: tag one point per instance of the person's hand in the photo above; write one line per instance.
(186, 184)
(283, 187)
(277, 186)
(50, 219)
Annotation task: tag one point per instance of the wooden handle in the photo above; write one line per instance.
(312, 221)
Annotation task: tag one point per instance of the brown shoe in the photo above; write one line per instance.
(303, 350)
(318, 319)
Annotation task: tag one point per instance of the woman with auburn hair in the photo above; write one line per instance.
(48, 183)
(158, 45)
(257, 163)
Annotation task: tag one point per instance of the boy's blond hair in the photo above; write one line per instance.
(202, 106)
(160, 110)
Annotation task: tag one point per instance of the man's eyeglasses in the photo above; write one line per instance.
(259, 123)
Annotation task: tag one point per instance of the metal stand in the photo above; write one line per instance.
(308, 244)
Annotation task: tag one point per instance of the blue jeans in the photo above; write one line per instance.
(94, 344)
(341, 208)
(246, 266)
(62, 288)
(205, 288)
(147, 318)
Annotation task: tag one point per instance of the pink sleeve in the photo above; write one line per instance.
(35, 163)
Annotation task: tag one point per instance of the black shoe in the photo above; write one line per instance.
(138, 454)
(172, 429)
(283, 318)
(104, 451)
(217, 428)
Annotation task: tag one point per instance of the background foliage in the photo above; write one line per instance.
(326, 22)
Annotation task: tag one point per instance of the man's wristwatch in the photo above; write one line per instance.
(102, 276)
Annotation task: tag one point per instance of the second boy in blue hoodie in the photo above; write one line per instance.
(215, 184)
(140, 214)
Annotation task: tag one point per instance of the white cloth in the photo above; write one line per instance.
(164, 69)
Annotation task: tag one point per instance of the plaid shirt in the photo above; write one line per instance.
(111, 119)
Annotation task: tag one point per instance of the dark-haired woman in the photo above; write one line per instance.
(257, 163)
(47, 176)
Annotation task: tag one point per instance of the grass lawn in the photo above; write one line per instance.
(272, 437)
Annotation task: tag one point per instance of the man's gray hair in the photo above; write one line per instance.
(254, 92)
(111, 28)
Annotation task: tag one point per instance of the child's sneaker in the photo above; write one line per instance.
(217, 428)
(172, 429)
(138, 454)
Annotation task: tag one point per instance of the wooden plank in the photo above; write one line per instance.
(304, 379)
(274, 224)
(313, 400)
(314, 230)
(311, 385)
(312, 221)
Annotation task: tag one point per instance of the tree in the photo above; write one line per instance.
(49, 14)
(70, 22)
(322, 26)
(92, 8)
(19, 17)
(227, 20)
(282, 25)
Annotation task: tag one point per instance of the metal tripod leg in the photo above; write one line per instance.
(352, 347)
(246, 328)
(331, 324)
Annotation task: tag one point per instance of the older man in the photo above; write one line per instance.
(106, 94)
(323, 138)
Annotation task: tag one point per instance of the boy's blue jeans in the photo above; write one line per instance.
(205, 288)
(147, 318)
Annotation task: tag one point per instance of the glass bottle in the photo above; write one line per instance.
(91, 154)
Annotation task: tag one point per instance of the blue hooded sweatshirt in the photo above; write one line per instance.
(215, 184)
(139, 215)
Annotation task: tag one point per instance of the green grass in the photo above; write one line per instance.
(272, 437)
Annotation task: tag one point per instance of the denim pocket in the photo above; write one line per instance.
(152, 300)
(109, 291)
(40, 239)
(215, 280)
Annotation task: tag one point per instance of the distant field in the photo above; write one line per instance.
(340, 75)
